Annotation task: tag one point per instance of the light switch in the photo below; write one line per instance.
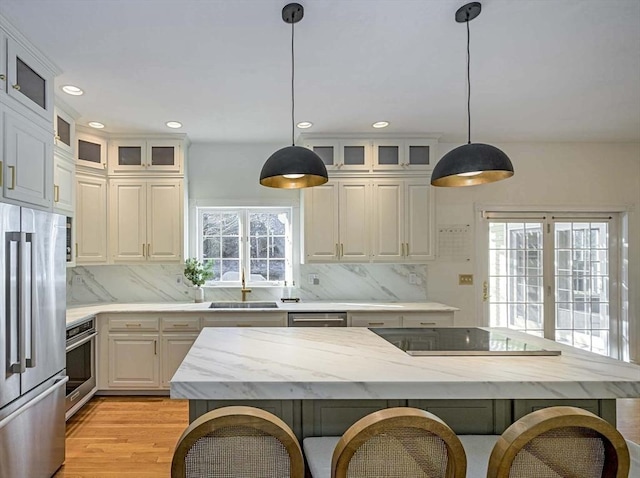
(465, 279)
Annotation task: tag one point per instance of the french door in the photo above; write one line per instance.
(555, 276)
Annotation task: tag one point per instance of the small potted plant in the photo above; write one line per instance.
(197, 274)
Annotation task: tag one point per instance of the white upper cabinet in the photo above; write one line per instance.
(91, 219)
(146, 220)
(336, 221)
(28, 80)
(145, 156)
(404, 154)
(402, 220)
(27, 169)
(64, 127)
(64, 185)
(91, 151)
(342, 155)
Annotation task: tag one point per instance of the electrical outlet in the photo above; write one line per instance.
(179, 279)
(78, 280)
(465, 279)
(313, 279)
(413, 278)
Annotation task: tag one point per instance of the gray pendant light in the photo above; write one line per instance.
(472, 163)
(293, 167)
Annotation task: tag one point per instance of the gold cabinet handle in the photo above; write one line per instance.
(155, 347)
(402, 249)
(56, 193)
(133, 325)
(376, 323)
(407, 248)
(341, 250)
(16, 87)
(427, 323)
(485, 291)
(1, 171)
(180, 325)
(337, 250)
(13, 177)
(76, 249)
(143, 254)
(148, 250)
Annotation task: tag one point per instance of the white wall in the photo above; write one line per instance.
(578, 175)
(547, 175)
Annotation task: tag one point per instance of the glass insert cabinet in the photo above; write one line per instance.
(364, 155)
(28, 80)
(145, 156)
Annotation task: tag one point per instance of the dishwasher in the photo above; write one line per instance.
(317, 319)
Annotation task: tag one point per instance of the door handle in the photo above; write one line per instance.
(13, 177)
(30, 238)
(15, 367)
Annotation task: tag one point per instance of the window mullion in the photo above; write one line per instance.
(548, 281)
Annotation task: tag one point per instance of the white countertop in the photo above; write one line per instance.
(355, 363)
(78, 314)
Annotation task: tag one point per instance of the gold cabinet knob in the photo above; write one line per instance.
(16, 87)
(3, 77)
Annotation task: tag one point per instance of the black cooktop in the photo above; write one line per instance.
(458, 341)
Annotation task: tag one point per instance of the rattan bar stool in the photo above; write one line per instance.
(391, 443)
(238, 441)
(560, 442)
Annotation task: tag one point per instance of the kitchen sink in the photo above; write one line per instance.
(243, 305)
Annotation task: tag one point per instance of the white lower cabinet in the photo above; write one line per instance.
(405, 319)
(174, 349)
(247, 319)
(375, 320)
(134, 361)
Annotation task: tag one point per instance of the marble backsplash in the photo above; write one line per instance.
(159, 283)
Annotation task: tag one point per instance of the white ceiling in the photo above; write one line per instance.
(542, 70)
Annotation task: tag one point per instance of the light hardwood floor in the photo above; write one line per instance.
(135, 436)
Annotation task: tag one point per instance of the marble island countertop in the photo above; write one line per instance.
(77, 314)
(355, 363)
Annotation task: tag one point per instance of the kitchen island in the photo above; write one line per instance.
(321, 380)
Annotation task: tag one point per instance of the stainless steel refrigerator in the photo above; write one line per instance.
(32, 342)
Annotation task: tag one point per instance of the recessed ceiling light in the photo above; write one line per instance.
(380, 124)
(304, 124)
(96, 124)
(174, 124)
(72, 90)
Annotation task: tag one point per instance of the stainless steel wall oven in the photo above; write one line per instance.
(81, 367)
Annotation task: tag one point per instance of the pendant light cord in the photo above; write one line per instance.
(293, 100)
(468, 86)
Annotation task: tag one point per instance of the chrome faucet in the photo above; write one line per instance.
(244, 290)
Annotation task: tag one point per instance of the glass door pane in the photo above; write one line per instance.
(516, 276)
(163, 156)
(581, 274)
(32, 85)
(129, 155)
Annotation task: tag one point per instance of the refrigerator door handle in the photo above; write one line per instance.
(11, 237)
(33, 319)
(20, 366)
